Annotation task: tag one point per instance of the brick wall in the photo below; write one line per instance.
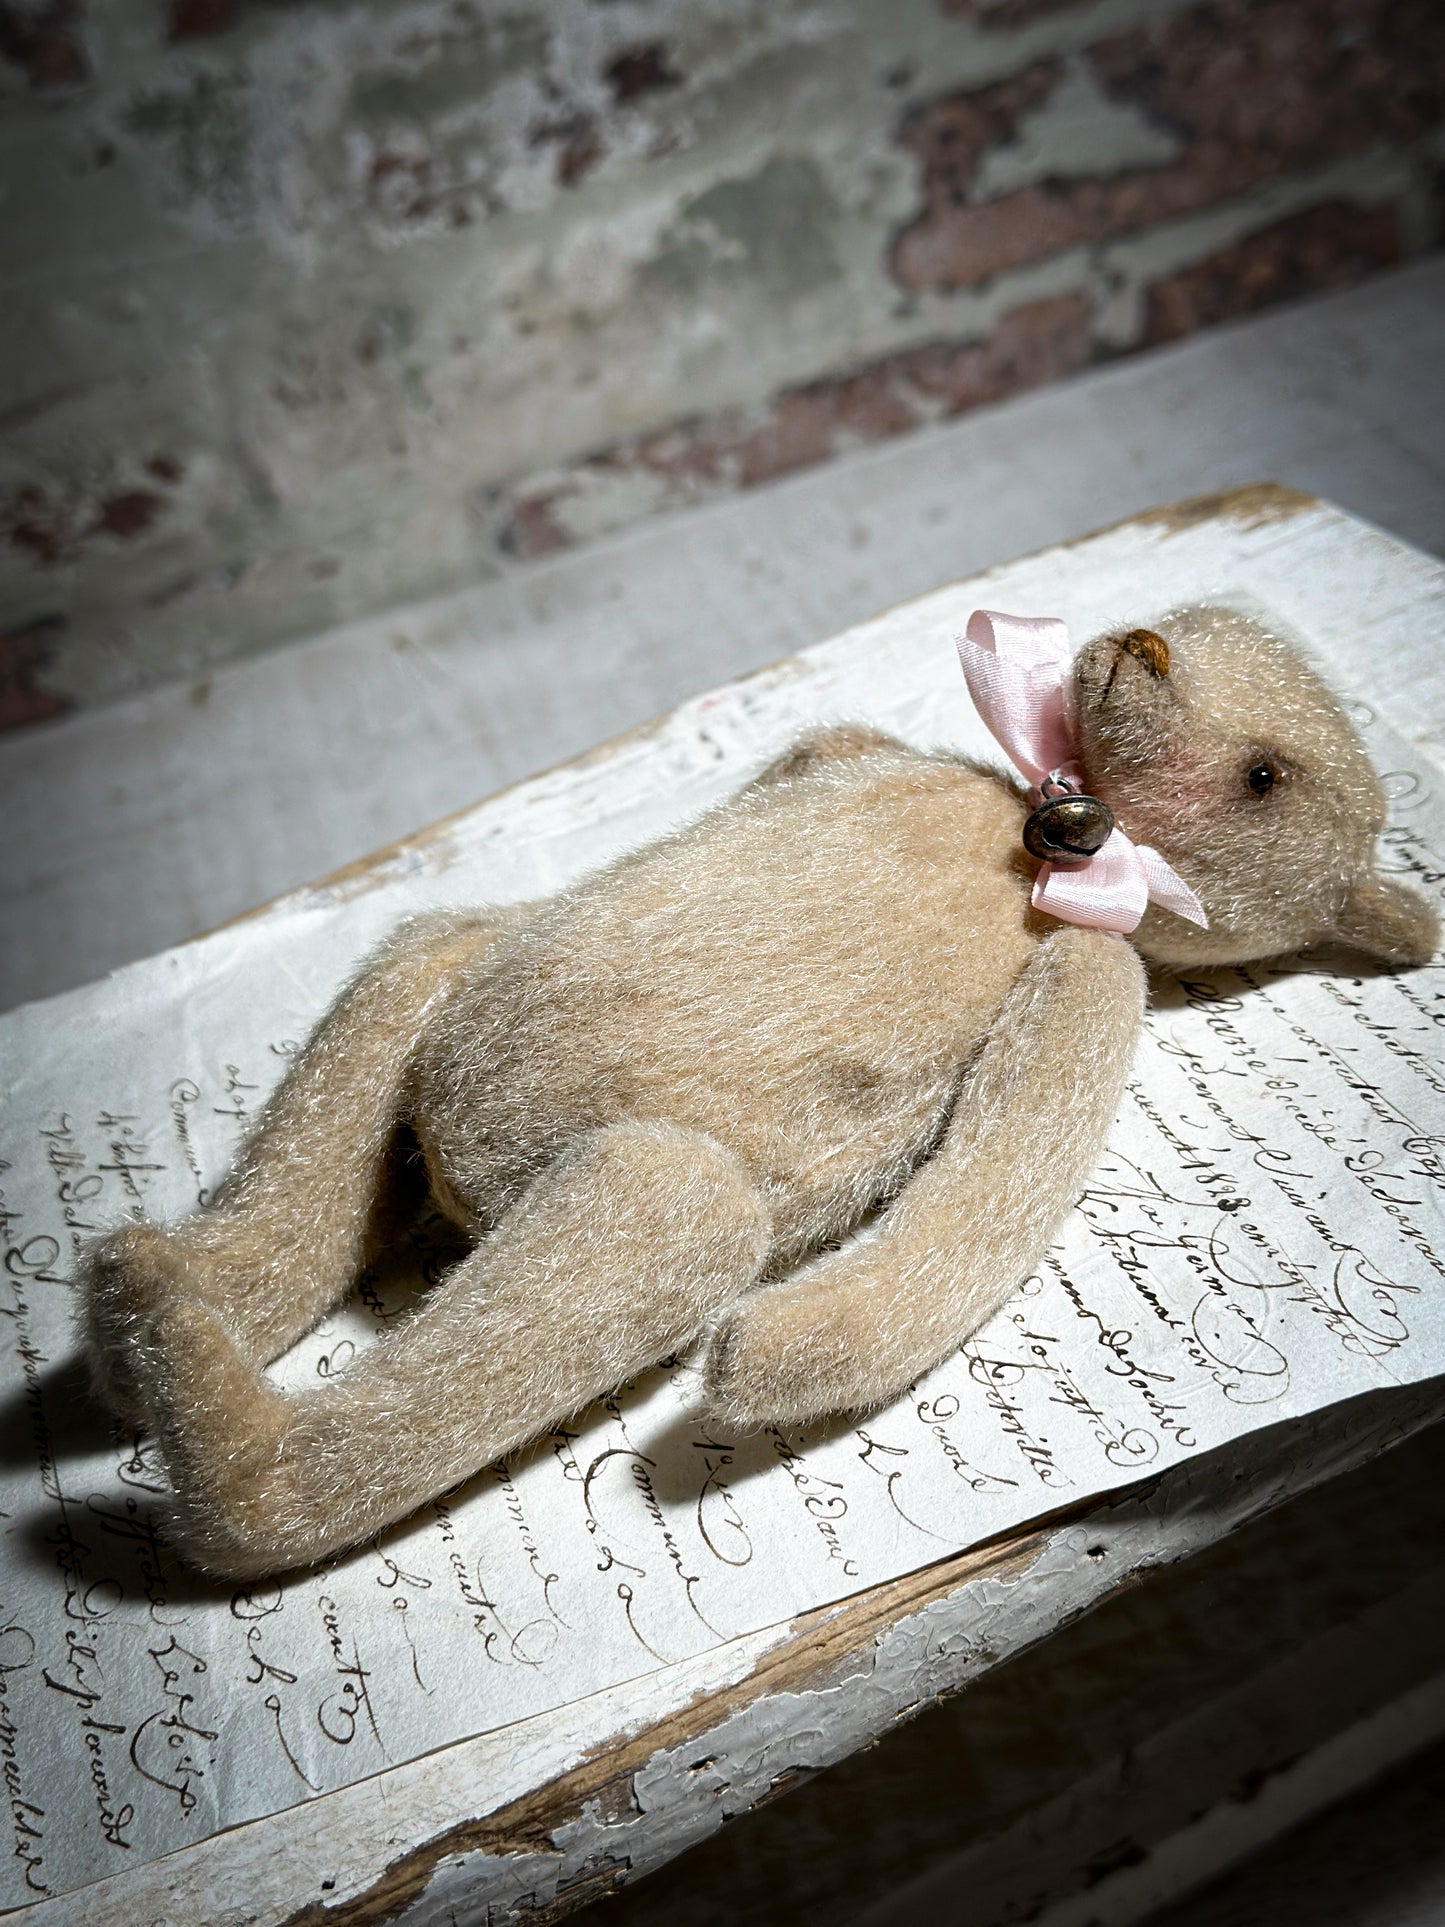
(317, 305)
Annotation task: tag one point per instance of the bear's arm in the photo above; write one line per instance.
(858, 1327)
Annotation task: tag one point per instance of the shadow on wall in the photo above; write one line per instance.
(321, 305)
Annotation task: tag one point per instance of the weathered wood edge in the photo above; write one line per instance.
(841, 1677)
(816, 1655)
(839, 1681)
(953, 1621)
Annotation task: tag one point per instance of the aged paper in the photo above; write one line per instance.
(1262, 1238)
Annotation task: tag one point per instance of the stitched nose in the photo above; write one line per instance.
(1146, 647)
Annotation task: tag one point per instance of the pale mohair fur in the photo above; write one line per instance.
(659, 1103)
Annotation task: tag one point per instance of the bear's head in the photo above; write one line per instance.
(1214, 741)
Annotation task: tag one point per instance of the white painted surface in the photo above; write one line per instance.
(134, 827)
(1310, 561)
(182, 1018)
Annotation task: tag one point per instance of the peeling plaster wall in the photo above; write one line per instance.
(316, 306)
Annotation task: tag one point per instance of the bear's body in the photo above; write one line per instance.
(658, 1104)
(719, 981)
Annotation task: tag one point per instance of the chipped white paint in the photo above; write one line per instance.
(1292, 557)
(331, 1852)
(1080, 131)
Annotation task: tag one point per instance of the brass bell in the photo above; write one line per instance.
(1068, 829)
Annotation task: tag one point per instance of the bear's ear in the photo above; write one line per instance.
(1388, 921)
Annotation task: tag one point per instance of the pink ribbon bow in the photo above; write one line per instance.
(1016, 668)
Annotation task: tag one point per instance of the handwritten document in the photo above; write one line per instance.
(1264, 1236)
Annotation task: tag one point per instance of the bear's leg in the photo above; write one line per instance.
(615, 1256)
(284, 1240)
(860, 1325)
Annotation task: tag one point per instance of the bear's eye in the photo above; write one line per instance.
(1263, 776)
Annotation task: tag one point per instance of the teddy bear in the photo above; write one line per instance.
(877, 990)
